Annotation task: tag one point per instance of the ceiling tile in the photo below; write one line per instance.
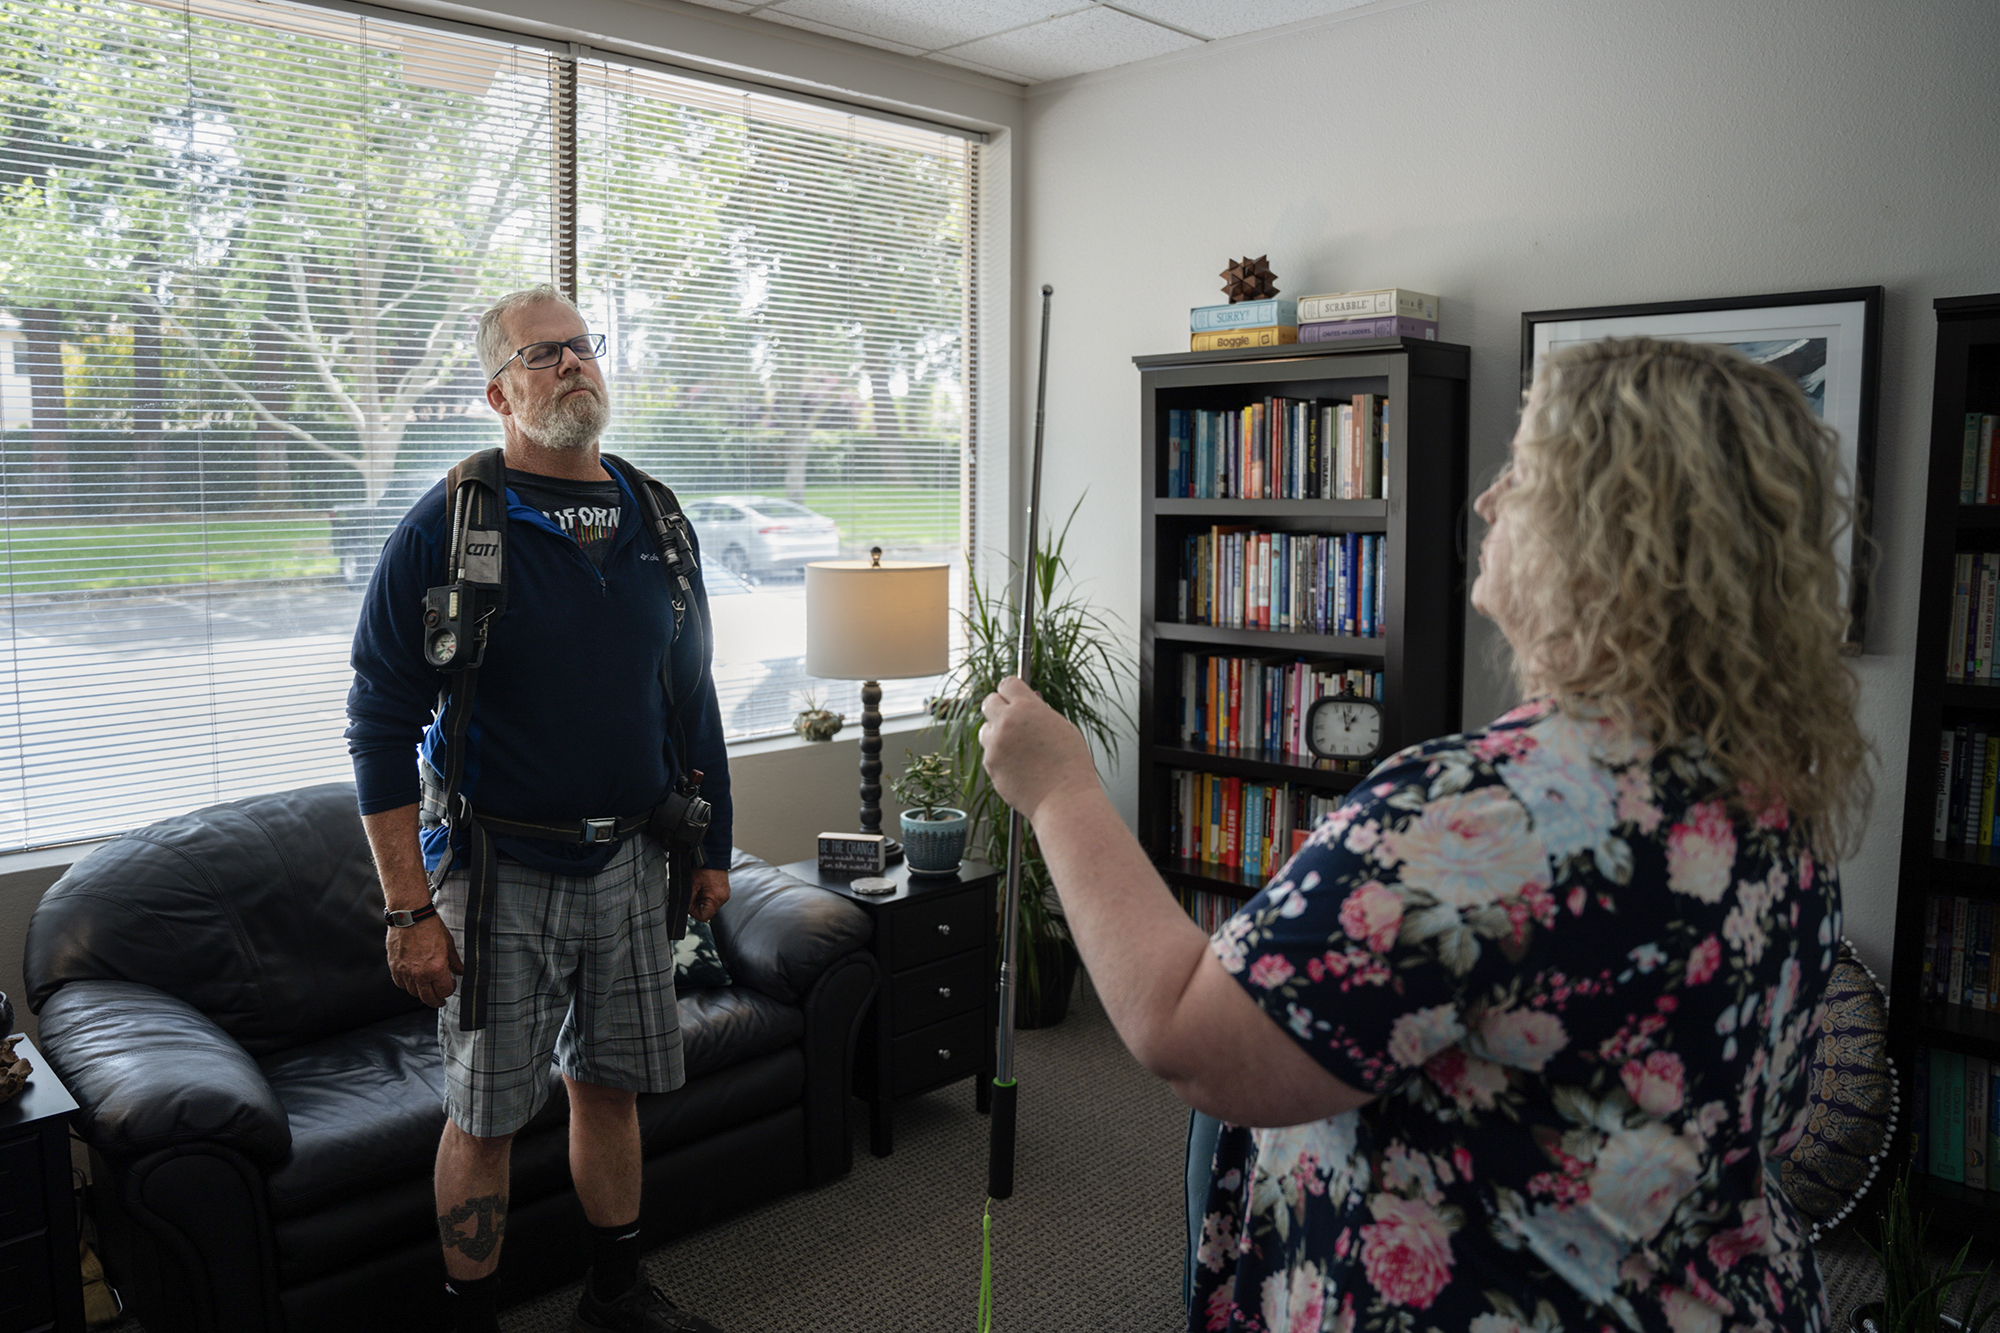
(1075, 44)
(791, 20)
(1231, 18)
(926, 23)
(977, 68)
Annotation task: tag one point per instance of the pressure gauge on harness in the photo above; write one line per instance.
(1344, 726)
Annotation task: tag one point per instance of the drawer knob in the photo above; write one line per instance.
(944, 992)
(944, 1052)
(944, 929)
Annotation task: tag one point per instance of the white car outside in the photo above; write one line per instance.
(755, 535)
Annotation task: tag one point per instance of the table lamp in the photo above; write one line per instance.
(875, 620)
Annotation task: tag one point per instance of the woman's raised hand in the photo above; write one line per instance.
(1033, 754)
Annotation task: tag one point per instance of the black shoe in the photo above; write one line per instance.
(641, 1310)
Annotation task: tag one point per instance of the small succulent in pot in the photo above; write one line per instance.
(933, 830)
(944, 707)
(815, 722)
(928, 783)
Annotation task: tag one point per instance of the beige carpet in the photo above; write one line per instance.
(1092, 1238)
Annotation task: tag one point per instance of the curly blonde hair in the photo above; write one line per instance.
(1675, 511)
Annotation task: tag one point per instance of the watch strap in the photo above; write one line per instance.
(407, 919)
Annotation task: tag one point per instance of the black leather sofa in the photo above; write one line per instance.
(262, 1105)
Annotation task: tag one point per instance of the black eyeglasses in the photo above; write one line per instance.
(540, 356)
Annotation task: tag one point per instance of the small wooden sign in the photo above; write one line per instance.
(852, 853)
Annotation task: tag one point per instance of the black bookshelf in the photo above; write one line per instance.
(1422, 522)
(1967, 380)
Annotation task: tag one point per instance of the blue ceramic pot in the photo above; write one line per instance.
(934, 846)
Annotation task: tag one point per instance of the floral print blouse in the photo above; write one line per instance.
(1584, 997)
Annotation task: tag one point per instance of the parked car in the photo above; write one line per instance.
(357, 532)
(754, 535)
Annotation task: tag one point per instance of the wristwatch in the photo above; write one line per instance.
(410, 918)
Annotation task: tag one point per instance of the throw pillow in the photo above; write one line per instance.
(697, 962)
(1851, 1105)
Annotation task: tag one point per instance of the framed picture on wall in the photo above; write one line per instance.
(1830, 343)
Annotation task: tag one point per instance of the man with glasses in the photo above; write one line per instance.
(570, 725)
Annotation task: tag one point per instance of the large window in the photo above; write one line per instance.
(242, 247)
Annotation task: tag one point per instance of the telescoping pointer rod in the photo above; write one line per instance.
(1000, 1155)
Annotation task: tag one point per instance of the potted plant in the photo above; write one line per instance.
(1078, 667)
(1914, 1293)
(933, 829)
(817, 722)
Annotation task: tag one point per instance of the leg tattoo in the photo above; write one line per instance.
(490, 1212)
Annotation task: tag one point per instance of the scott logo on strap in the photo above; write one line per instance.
(482, 556)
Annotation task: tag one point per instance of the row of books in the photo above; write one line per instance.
(1280, 449)
(1304, 582)
(1257, 704)
(1241, 824)
(1957, 1120)
(1961, 966)
(1965, 814)
(1978, 478)
(1383, 312)
(1975, 590)
(1209, 910)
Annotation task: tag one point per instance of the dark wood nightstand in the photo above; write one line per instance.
(41, 1286)
(935, 1015)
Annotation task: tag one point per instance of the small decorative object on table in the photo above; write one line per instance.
(1914, 1294)
(14, 1070)
(853, 853)
(933, 830)
(1250, 279)
(815, 722)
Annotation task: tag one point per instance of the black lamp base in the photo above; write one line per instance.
(871, 769)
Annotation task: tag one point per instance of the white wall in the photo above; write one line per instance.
(1513, 155)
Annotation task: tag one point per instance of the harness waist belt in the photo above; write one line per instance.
(608, 828)
(604, 828)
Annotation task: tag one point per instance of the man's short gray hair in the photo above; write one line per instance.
(492, 338)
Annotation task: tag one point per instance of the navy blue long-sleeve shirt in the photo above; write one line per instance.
(569, 720)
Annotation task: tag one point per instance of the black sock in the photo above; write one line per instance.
(614, 1260)
(475, 1303)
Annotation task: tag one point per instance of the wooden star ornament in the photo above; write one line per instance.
(1249, 280)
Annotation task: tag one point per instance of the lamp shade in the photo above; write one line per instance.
(877, 622)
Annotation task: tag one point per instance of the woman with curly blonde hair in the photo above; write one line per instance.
(1676, 509)
(1514, 1041)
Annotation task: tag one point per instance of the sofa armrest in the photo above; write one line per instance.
(778, 934)
(151, 1072)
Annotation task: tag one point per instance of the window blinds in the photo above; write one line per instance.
(784, 289)
(242, 249)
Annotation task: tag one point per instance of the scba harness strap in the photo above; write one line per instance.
(458, 620)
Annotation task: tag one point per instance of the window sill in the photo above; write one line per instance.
(41, 858)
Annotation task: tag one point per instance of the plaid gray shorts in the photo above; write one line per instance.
(582, 970)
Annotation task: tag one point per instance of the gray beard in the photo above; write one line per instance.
(572, 422)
